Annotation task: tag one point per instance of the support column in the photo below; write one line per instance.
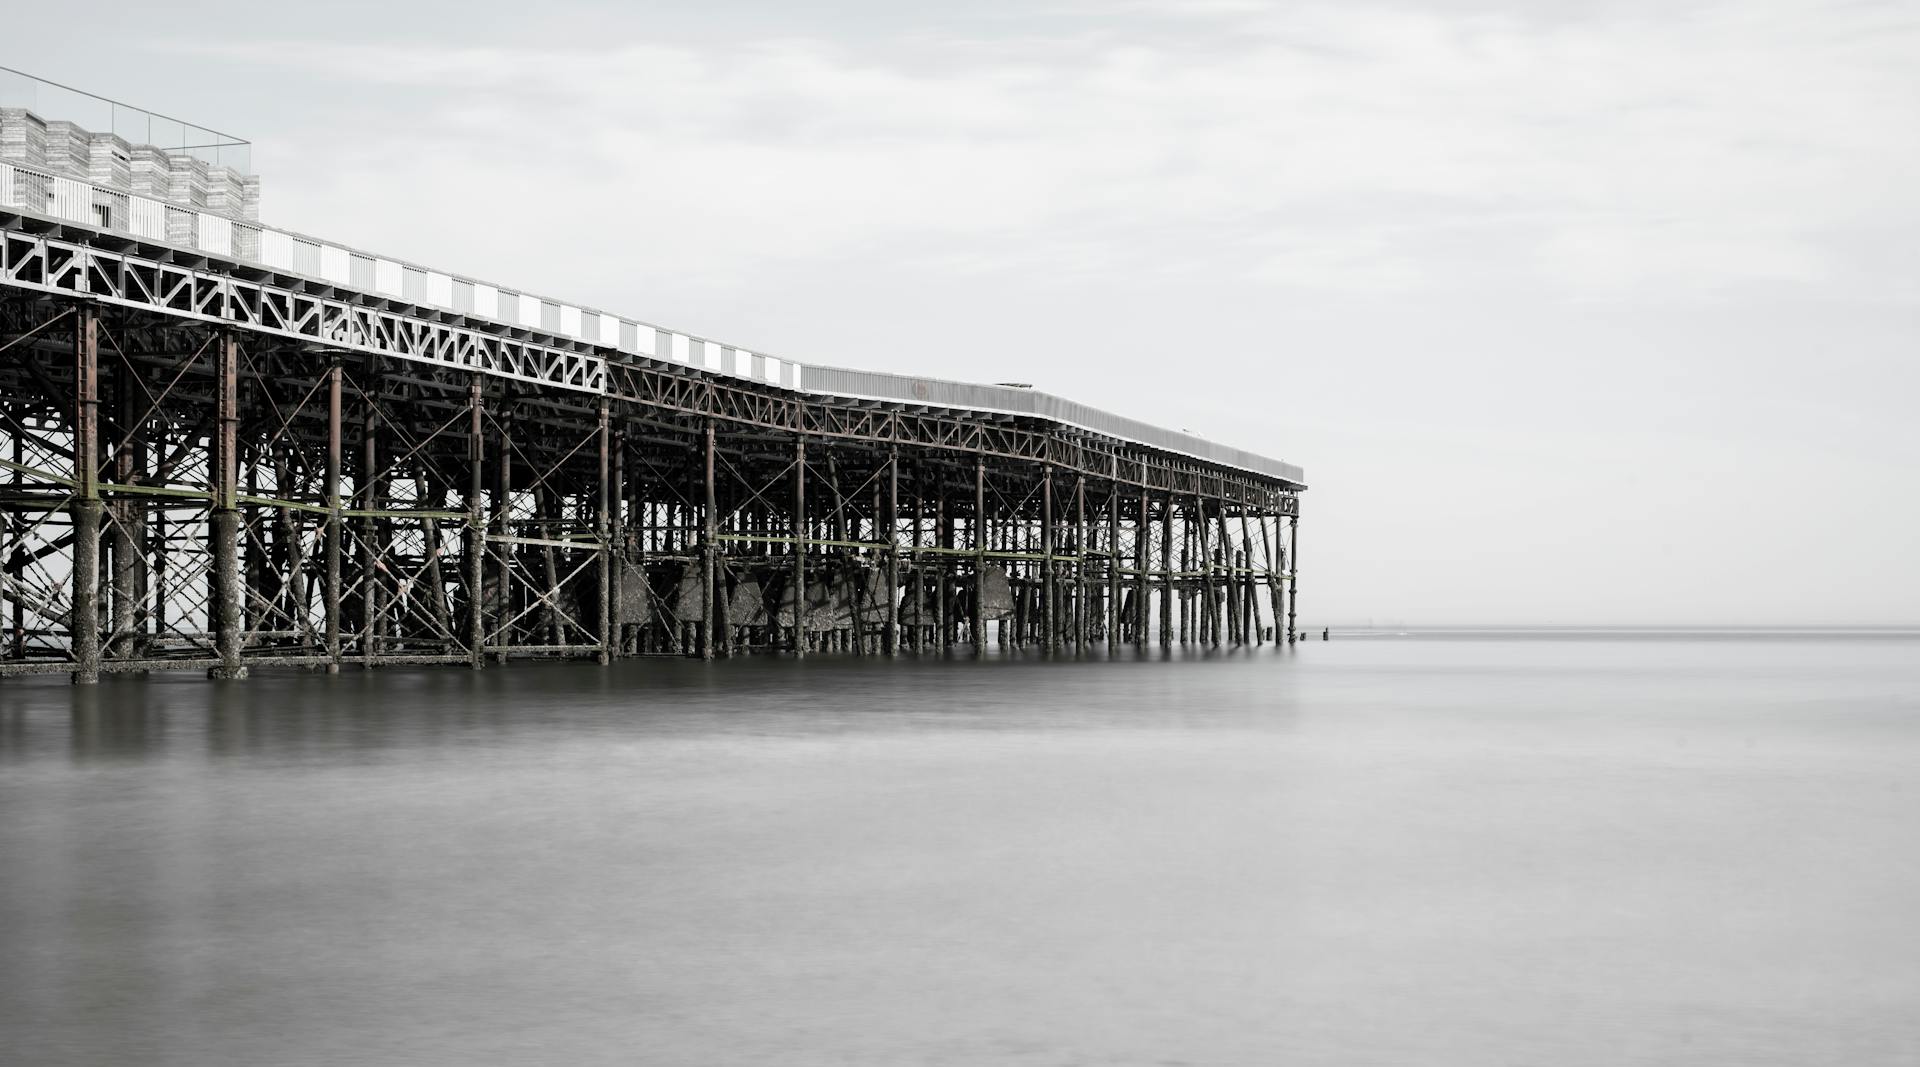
(83, 621)
(1166, 574)
(1293, 573)
(128, 637)
(1080, 564)
(224, 605)
(603, 529)
(1049, 609)
(335, 528)
(890, 634)
(711, 631)
(979, 622)
(476, 518)
(800, 546)
(1113, 566)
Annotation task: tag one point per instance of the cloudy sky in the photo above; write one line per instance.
(1592, 313)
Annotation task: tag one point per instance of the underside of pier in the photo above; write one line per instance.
(197, 474)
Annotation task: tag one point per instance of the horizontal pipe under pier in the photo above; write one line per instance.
(195, 485)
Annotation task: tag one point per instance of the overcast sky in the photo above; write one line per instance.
(1597, 313)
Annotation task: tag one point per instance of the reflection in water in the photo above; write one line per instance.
(1462, 851)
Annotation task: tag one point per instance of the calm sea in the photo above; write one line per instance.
(1471, 849)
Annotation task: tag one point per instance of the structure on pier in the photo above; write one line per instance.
(225, 445)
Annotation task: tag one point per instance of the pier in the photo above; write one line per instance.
(226, 446)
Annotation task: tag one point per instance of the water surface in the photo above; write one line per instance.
(1477, 850)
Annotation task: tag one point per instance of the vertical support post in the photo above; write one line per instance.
(711, 630)
(335, 527)
(476, 521)
(1166, 573)
(83, 621)
(1049, 609)
(890, 634)
(368, 486)
(943, 534)
(800, 546)
(622, 537)
(224, 605)
(979, 621)
(1113, 564)
(502, 523)
(128, 636)
(603, 529)
(1142, 582)
(1293, 573)
(1229, 582)
(1080, 564)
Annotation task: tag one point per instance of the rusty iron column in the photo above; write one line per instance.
(224, 605)
(1167, 595)
(800, 546)
(1142, 580)
(83, 620)
(368, 486)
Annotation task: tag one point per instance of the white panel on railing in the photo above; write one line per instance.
(71, 200)
(439, 289)
(795, 380)
(335, 264)
(681, 344)
(486, 301)
(276, 249)
(743, 362)
(6, 185)
(773, 370)
(709, 355)
(147, 218)
(386, 277)
(529, 310)
(646, 340)
(214, 234)
(610, 331)
(569, 321)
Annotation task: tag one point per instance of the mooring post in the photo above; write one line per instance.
(800, 546)
(890, 633)
(83, 620)
(225, 517)
(335, 527)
